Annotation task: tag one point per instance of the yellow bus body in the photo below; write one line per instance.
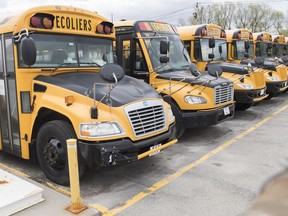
(189, 34)
(46, 97)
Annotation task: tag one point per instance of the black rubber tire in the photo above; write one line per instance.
(52, 151)
(242, 106)
(179, 121)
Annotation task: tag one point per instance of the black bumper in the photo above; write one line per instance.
(122, 151)
(276, 87)
(206, 118)
(248, 96)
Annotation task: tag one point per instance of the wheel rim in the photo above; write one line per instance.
(54, 154)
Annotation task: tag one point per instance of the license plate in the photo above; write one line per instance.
(226, 110)
(153, 147)
(262, 91)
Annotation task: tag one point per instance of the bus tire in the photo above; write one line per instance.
(52, 151)
(243, 106)
(179, 121)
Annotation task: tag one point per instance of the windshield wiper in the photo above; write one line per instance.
(90, 63)
(64, 63)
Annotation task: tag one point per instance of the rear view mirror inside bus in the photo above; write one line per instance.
(28, 50)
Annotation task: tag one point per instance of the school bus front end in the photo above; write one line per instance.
(195, 99)
(275, 73)
(65, 85)
(207, 47)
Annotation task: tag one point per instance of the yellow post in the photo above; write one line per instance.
(77, 205)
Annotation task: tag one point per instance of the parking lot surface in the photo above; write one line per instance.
(213, 171)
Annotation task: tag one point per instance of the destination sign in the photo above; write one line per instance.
(73, 23)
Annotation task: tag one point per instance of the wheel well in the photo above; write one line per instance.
(44, 115)
(169, 99)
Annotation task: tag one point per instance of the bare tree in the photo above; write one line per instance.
(255, 17)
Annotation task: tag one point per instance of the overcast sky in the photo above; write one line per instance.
(166, 10)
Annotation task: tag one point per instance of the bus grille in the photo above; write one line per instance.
(146, 117)
(223, 93)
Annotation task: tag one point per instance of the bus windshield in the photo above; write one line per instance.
(70, 51)
(239, 50)
(178, 55)
(263, 50)
(220, 50)
(279, 50)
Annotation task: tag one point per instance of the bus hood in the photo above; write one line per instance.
(269, 65)
(126, 91)
(230, 67)
(205, 79)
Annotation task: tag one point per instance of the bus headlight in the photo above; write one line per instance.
(245, 86)
(171, 117)
(275, 79)
(194, 99)
(100, 129)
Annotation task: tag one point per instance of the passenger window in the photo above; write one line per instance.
(9, 55)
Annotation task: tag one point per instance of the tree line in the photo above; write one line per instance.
(255, 17)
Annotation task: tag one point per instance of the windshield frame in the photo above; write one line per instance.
(69, 51)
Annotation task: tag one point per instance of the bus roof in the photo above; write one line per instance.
(266, 36)
(238, 34)
(188, 32)
(22, 20)
(278, 39)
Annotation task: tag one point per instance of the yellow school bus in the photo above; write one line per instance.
(280, 49)
(152, 51)
(207, 47)
(241, 50)
(58, 81)
(276, 73)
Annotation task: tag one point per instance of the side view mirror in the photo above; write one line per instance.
(215, 71)
(112, 72)
(211, 55)
(246, 55)
(164, 47)
(194, 70)
(164, 59)
(211, 42)
(220, 49)
(269, 45)
(28, 50)
(259, 60)
(247, 45)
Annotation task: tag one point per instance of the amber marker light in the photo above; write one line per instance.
(69, 100)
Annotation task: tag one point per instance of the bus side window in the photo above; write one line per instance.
(1, 59)
(140, 63)
(126, 62)
(9, 55)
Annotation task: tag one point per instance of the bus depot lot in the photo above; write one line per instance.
(214, 171)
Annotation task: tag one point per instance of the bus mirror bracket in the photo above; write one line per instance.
(194, 70)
